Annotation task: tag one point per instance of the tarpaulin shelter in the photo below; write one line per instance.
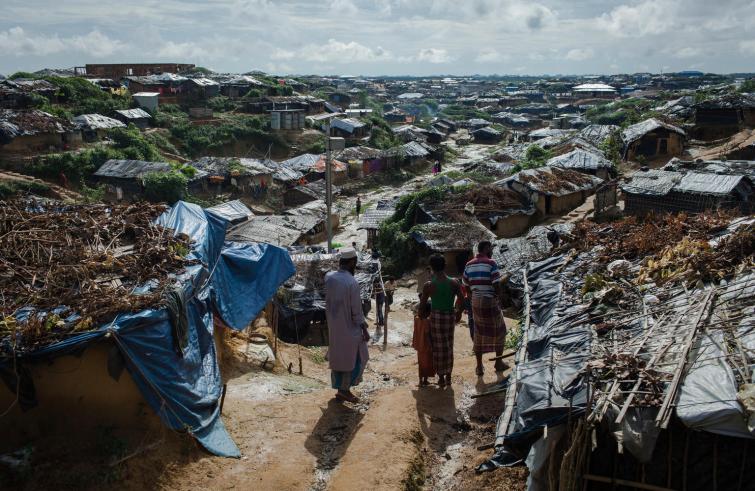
(171, 356)
(639, 386)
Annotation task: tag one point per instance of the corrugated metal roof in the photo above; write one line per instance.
(204, 82)
(234, 211)
(637, 131)
(593, 88)
(347, 124)
(662, 182)
(694, 182)
(97, 122)
(268, 232)
(130, 169)
(372, 218)
(652, 182)
(231, 166)
(579, 159)
(134, 113)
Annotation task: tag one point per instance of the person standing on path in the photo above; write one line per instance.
(359, 206)
(442, 292)
(483, 278)
(347, 329)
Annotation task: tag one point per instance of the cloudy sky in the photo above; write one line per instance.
(384, 37)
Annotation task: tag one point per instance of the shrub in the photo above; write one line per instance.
(222, 104)
(535, 156)
(166, 187)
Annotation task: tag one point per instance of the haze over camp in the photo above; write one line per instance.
(389, 245)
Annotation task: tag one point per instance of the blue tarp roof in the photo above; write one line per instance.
(184, 387)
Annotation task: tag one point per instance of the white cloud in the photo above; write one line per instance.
(687, 52)
(434, 55)
(339, 52)
(182, 51)
(648, 17)
(580, 54)
(343, 7)
(282, 54)
(747, 47)
(488, 55)
(18, 42)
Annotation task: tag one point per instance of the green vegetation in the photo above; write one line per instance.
(535, 156)
(748, 86)
(222, 104)
(623, 113)
(198, 140)
(382, 136)
(22, 75)
(128, 143)
(394, 240)
(460, 112)
(165, 186)
(77, 95)
(477, 177)
(92, 194)
(9, 189)
(612, 147)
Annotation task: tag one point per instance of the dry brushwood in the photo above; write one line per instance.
(85, 258)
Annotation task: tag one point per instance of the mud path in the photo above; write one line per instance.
(294, 435)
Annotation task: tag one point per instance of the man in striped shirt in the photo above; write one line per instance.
(483, 278)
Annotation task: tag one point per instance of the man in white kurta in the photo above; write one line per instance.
(347, 328)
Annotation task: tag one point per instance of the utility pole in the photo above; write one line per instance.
(328, 189)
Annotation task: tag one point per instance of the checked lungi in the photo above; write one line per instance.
(489, 327)
(442, 341)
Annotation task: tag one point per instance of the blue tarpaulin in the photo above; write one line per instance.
(184, 386)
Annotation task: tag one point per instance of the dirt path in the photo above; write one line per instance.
(293, 435)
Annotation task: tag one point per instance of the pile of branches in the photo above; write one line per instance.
(73, 268)
(627, 368)
(635, 238)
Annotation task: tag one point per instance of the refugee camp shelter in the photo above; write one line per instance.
(138, 117)
(594, 91)
(651, 139)
(487, 134)
(124, 179)
(596, 134)
(25, 133)
(362, 160)
(694, 192)
(349, 129)
(631, 391)
(95, 126)
(553, 190)
(146, 100)
(302, 306)
(245, 177)
(150, 362)
(456, 241)
(372, 218)
(304, 193)
(583, 161)
(312, 166)
(722, 116)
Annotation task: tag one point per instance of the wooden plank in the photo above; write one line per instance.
(664, 413)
